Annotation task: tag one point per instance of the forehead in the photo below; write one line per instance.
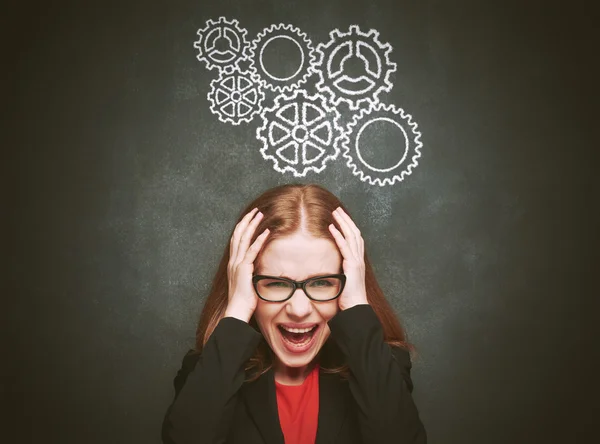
(299, 256)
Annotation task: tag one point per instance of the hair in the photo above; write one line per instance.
(286, 210)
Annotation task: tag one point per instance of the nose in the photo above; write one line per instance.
(299, 305)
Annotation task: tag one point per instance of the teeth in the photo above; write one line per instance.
(298, 330)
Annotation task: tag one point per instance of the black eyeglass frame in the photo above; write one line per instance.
(299, 284)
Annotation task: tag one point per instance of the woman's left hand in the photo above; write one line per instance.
(352, 247)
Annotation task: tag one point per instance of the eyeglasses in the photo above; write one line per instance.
(318, 288)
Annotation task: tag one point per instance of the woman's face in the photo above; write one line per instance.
(298, 257)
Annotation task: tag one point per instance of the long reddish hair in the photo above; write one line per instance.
(284, 209)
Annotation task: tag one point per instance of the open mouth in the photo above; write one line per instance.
(297, 337)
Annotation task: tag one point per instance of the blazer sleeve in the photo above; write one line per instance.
(207, 384)
(380, 382)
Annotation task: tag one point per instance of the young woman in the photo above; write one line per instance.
(296, 342)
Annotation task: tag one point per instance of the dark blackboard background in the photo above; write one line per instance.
(123, 186)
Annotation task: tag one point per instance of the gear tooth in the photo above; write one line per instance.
(306, 39)
(378, 42)
(372, 34)
(389, 63)
(352, 105)
(418, 139)
(335, 34)
(363, 112)
(344, 144)
(337, 117)
(354, 29)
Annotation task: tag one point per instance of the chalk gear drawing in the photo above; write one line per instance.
(409, 147)
(300, 133)
(297, 38)
(235, 96)
(363, 49)
(221, 43)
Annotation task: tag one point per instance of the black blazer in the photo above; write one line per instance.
(213, 404)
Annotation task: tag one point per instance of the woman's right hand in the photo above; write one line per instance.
(242, 298)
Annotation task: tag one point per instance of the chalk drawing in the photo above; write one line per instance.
(221, 44)
(235, 96)
(300, 133)
(409, 145)
(299, 40)
(364, 50)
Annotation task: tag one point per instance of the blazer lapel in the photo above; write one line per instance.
(333, 407)
(261, 400)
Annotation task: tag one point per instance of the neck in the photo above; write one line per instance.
(292, 375)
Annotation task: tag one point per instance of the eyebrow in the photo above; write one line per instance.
(309, 277)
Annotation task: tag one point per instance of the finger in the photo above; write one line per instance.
(341, 242)
(349, 235)
(357, 234)
(350, 222)
(255, 248)
(238, 232)
(247, 237)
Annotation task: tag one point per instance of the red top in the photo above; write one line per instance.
(298, 407)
